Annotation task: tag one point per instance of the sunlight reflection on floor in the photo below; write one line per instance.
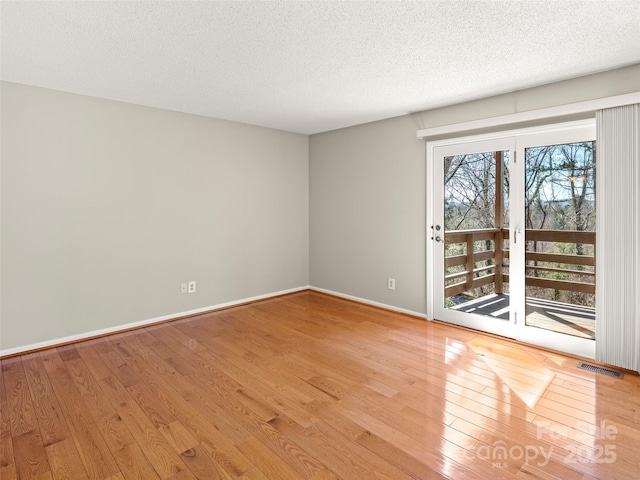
(524, 375)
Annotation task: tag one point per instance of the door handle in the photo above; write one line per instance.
(516, 232)
(437, 228)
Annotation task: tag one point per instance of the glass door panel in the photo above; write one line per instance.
(560, 236)
(474, 214)
(470, 235)
(556, 252)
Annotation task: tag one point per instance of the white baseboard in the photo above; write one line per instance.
(368, 302)
(142, 323)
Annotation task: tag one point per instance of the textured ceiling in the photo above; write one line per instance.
(314, 66)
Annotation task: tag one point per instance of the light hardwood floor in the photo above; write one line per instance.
(308, 386)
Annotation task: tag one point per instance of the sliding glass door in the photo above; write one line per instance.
(559, 224)
(512, 235)
(471, 182)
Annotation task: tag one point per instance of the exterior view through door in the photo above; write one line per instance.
(513, 232)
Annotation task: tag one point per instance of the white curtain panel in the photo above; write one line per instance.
(618, 237)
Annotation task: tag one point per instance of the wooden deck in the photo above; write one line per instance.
(555, 316)
(309, 386)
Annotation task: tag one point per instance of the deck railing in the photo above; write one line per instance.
(492, 261)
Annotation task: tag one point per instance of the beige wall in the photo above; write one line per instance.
(107, 207)
(367, 190)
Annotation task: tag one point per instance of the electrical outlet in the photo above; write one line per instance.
(391, 283)
(191, 287)
(183, 288)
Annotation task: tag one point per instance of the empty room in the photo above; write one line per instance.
(320, 240)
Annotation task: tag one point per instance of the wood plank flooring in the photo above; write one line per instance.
(309, 386)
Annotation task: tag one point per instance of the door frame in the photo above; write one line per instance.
(518, 330)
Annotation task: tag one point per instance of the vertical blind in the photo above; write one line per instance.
(618, 237)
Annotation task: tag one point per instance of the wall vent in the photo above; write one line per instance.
(603, 371)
